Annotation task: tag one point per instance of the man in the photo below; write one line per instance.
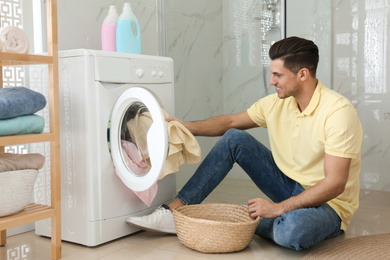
(312, 173)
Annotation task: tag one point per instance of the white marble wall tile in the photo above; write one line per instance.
(194, 41)
(80, 23)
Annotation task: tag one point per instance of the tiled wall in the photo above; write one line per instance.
(195, 42)
(79, 23)
(201, 38)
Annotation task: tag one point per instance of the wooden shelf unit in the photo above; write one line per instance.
(10, 59)
(34, 212)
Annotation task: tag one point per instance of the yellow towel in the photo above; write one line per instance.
(183, 146)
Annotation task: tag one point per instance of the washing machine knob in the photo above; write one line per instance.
(161, 74)
(154, 73)
(140, 73)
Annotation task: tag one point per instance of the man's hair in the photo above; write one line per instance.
(297, 53)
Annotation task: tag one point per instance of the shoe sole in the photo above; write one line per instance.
(149, 228)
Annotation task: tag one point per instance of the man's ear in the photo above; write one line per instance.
(303, 74)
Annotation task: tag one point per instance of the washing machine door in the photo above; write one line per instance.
(138, 138)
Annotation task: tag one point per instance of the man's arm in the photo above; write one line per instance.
(217, 126)
(336, 176)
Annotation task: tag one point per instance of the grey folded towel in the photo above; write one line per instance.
(18, 101)
(14, 162)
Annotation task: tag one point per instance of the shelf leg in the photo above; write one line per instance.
(3, 237)
(56, 238)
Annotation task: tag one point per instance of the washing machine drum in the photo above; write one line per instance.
(138, 138)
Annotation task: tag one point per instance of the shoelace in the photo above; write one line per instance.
(161, 210)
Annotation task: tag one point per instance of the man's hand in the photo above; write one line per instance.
(336, 176)
(174, 119)
(263, 208)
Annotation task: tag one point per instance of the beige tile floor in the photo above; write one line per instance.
(371, 218)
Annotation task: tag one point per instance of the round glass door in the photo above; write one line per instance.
(138, 138)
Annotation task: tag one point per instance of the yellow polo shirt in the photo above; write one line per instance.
(299, 140)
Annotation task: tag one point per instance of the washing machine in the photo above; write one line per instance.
(101, 94)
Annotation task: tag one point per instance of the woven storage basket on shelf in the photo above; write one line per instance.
(16, 189)
(215, 228)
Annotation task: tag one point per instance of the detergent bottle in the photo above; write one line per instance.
(109, 30)
(128, 33)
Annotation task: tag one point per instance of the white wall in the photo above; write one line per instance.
(80, 22)
(351, 35)
(194, 41)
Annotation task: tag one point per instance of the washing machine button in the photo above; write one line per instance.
(140, 73)
(161, 74)
(153, 73)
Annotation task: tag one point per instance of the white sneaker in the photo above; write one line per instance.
(160, 220)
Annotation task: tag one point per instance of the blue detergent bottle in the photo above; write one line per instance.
(128, 33)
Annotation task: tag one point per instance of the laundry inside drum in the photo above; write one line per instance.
(134, 129)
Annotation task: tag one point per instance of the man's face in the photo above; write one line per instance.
(285, 82)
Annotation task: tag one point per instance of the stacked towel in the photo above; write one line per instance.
(18, 173)
(19, 101)
(17, 108)
(16, 162)
(13, 39)
(30, 124)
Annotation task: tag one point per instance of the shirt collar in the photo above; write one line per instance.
(315, 99)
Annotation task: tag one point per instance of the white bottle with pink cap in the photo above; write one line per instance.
(109, 30)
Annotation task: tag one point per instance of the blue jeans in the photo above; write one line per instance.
(297, 229)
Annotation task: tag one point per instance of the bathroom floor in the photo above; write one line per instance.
(371, 218)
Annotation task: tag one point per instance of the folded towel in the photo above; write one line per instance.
(15, 162)
(18, 101)
(14, 39)
(30, 124)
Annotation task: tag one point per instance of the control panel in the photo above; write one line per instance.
(155, 72)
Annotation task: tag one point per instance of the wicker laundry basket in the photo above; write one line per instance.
(16, 189)
(215, 228)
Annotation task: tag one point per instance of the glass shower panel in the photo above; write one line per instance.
(250, 28)
(272, 30)
(360, 73)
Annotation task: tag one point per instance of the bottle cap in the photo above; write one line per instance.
(127, 7)
(112, 9)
